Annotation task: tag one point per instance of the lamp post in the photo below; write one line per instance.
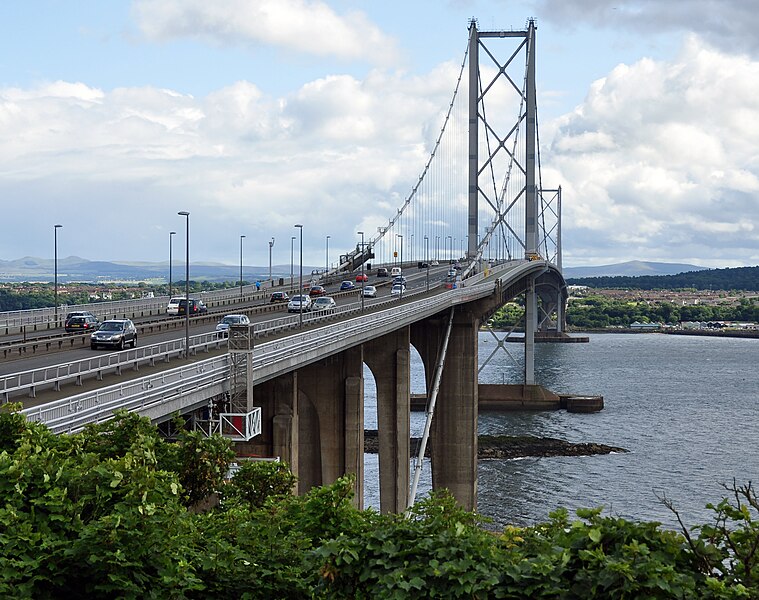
(453, 249)
(55, 268)
(411, 257)
(300, 280)
(450, 252)
(171, 240)
(326, 261)
(271, 245)
(427, 259)
(361, 233)
(437, 247)
(242, 237)
(185, 214)
(292, 241)
(402, 285)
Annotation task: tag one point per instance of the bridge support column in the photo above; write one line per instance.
(388, 358)
(454, 426)
(279, 420)
(331, 421)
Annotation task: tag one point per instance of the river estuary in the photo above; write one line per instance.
(686, 408)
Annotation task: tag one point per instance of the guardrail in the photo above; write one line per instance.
(269, 359)
(29, 382)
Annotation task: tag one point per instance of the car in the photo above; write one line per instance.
(279, 297)
(116, 333)
(229, 320)
(381, 272)
(300, 303)
(196, 307)
(370, 291)
(452, 273)
(347, 285)
(398, 289)
(362, 277)
(400, 279)
(317, 290)
(423, 265)
(77, 313)
(81, 323)
(434, 263)
(324, 303)
(395, 271)
(173, 306)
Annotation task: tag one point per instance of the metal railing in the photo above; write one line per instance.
(191, 385)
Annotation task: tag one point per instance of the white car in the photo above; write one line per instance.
(398, 289)
(370, 291)
(229, 320)
(325, 303)
(299, 303)
(173, 306)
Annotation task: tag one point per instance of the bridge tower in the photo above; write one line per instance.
(479, 169)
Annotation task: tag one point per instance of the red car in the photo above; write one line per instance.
(317, 290)
(362, 277)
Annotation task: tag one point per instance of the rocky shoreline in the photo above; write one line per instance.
(509, 446)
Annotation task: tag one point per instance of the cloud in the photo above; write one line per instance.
(728, 24)
(304, 26)
(660, 162)
(115, 166)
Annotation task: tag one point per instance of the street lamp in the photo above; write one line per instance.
(437, 247)
(292, 240)
(171, 239)
(55, 267)
(271, 245)
(185, 214)
(450, 252)
(242, 237)
(300, 280)
(402, 285)
(427, 259)
(326, 261)
(361, 233)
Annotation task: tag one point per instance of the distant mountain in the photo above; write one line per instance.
(632, 268)
(74, 268)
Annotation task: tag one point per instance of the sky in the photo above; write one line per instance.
(254, 115)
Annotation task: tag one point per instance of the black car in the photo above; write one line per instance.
(279, 297)
(196, 307)
(116, 333)
(81, 323)
(77, 313)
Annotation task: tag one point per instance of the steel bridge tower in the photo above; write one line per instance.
(534, 238)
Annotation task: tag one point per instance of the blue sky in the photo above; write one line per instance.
(114, 115)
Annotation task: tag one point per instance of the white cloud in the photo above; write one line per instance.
(661, 159)
(307, 26)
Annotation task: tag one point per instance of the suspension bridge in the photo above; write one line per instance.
(293, 388)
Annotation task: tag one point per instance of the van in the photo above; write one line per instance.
(395, 271)
(381, 272)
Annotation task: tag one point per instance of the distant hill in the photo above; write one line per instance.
(74, 268)
(738, 278)
(632, 268)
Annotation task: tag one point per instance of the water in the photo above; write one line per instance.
(686, 408)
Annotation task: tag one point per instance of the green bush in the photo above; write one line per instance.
(106, 513)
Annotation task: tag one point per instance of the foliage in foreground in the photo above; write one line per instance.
(109, 513)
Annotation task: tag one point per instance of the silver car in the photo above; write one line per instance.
(370, 291)
(228, 320)
(116, 333)
(324, 303)
(299, 303)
